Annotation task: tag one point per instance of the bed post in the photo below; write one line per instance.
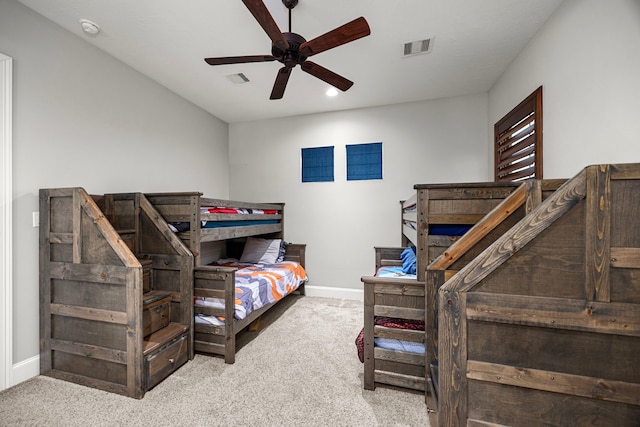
(229, 311)
(533, 195)
(452, 357)
(598, 233)
(422, 206)
(369, 359)
(433, 280)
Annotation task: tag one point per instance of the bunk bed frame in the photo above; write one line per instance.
(115, 292)
(492, 226)
(440, 204)
(396, 298)
(461, 204)
(543, 327)
(211, 244)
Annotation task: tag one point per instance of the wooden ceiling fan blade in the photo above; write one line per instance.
(346, 33)
(326, 75)
(281, 83)
(266, 21)
(223, 60)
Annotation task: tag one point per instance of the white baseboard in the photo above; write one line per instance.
(340, 293)
(25, 370)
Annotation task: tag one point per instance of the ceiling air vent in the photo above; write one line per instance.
(418, 47)
(238, 78)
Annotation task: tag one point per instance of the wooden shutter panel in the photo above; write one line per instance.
(518, 141)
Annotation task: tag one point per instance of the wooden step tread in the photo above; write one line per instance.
(163, 336)
(153, 296)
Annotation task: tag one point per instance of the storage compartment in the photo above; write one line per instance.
(168, 358)
(157, 311)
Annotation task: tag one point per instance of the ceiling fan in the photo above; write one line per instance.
(292, 49)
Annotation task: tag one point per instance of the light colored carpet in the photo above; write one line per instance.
(300, 369)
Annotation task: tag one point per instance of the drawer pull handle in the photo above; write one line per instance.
(172, 361)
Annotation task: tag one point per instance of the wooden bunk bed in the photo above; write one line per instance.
(223, 236)
(493, 225)
(444, 212)
(115, 292)
(432, 210)
(543, 327)
(393, 310)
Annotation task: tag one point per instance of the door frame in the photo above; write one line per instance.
(6, 222)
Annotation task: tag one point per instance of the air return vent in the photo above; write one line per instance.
(238, 78)
(418, 47)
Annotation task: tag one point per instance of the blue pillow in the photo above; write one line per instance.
(409, 261)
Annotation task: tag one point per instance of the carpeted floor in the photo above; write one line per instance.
(299, 369)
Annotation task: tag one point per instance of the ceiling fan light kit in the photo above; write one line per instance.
(291, 49)
(331, 91)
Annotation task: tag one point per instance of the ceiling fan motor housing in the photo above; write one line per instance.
(289, 4)
(291, 49)
(290, 57)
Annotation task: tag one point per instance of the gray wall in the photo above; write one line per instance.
(587, 58)
(435, 141)
(81, 118)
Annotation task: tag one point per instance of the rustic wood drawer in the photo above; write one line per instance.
(156, 313)
(168, 358)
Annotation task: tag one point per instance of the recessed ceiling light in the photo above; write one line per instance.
(89, 27)
(331, 91)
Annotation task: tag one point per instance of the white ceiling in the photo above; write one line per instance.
(473, 42)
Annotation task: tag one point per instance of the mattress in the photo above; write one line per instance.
(257, 285)
(394, 272)
(393, 344)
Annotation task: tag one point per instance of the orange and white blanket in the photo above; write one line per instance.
(256, 286)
